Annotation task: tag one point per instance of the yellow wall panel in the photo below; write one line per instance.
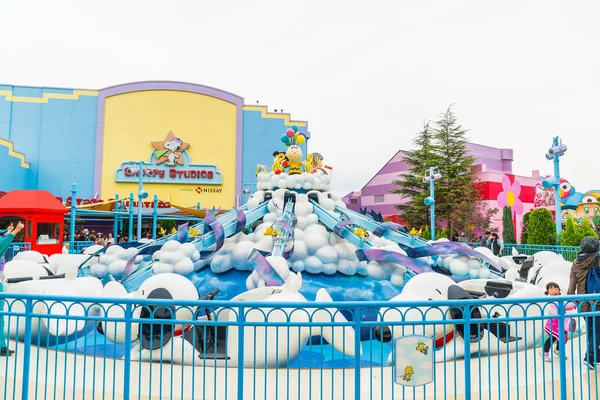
(133, 120)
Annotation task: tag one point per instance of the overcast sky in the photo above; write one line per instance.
(365, 74)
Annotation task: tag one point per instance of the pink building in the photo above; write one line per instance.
(494, 169)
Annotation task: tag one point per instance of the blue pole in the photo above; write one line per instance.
(73, 211)
(130, 216)
(116, 223)
(140, 188)
(154, 216)
(432, 205)
(198, 206)
(557, 189)
(562, 355)
(121, 208)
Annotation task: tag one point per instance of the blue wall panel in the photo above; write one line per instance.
(57, 138)
(12, 175)
(67, 143)
(24, 131)
(262, 136)
(5, 111)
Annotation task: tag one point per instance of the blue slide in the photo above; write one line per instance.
(342, 219)
(215, 233)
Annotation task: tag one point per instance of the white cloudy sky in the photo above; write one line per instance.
(363, 73)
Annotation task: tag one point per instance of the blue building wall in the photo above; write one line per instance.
(13, 176)
(262, 136)
(56, 131)
(57, 136)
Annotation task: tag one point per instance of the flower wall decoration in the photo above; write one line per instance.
(509, 196)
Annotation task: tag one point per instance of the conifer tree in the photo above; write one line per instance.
(410, 184)
(542, 229)
(525, 228)
(458, 193)
(587, 230)
(508, 228)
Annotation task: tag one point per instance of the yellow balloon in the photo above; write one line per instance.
(300, 139)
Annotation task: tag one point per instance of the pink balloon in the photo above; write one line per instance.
(290, 132)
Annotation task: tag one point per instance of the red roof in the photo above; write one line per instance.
(20, 201)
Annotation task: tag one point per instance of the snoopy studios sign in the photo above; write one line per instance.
(169, 163)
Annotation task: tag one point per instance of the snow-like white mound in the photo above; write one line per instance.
(175, 257)
(113, 262)
(306, 181)
(316, 249)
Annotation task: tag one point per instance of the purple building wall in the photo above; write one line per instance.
(376, 196)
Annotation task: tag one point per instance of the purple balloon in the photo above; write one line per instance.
(302, 134)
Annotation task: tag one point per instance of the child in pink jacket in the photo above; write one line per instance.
(553, 326)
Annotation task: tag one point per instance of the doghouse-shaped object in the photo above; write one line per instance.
(42, 214)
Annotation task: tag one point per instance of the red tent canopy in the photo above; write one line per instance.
(26, 201)
(43, 215)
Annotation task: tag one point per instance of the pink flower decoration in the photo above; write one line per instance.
(509, 196)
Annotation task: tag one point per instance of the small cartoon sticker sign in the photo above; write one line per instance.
(413, 360)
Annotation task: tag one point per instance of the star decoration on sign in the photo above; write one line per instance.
(169, 151)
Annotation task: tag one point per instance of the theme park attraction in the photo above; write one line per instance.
(293, 241)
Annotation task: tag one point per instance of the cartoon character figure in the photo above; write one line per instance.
(569, 196)
(363, 234)
(278, 162)
(566, 189)
(313, 160)
(193, 232)
(408, 373)
(173, 147)
(272, 232)
(293, 163)
(422, 348)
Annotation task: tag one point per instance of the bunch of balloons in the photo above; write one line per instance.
(292, 136)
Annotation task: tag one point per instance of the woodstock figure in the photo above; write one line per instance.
(408, 373)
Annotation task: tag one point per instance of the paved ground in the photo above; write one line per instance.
(518, 375)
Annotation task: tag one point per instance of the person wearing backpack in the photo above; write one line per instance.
(585, 279)
(495, 244)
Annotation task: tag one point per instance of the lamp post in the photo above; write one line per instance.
(553, 154)
(431, 176)
(142, 194)
(72, 226)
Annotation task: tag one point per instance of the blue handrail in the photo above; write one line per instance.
(15, 248)
(241, 347)
(80, 246)
(569, 253)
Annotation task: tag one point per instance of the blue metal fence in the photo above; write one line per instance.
(569, 253)
(15, 248)
(80, 246)
(488, 348)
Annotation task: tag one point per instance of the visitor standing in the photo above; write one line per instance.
(484, 239)
(5, 242)
(553, 325)
(495, 244)
(578, 284)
